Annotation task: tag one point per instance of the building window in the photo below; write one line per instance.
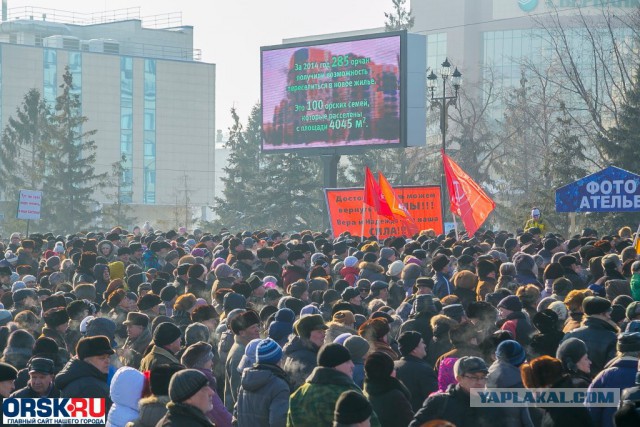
(50, 84)
(126, 129)
(436, 50)
(149, 184)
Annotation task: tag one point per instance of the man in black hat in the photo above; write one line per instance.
(8, 375)
(166, 343)
(294, 270)
(245, 327)
(598, 332)
(190, 396)
(56, 324)
(136, 254)
(86, 374)
(41, 374)
(138, 338)
(413, 371)
(442, 267)
(302, 349)
(352, 410)
(379, 290)
(24, 299)
(149, 304)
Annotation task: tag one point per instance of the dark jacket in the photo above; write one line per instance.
(80, 379)
(134, 349)
(520, 327)
(546, 343)
(151, 410)
(574, 278)
(454, 406)
(420, 323)
(300, 360)
(292, 273)
(181, 415)
(566, 416)
(600, 338)
(619, 373)
(443, 285)
(54, 335)
(391, 401)
(263, 399)
(419, 378)
(505, 375)
(244, 268)
(28, 393)
(371, 271)
(157, 356)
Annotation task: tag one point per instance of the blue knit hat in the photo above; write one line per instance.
(249, 358)
(512, 352)
(280, 330)
(268, 351)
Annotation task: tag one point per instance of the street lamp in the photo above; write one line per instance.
(443, 102)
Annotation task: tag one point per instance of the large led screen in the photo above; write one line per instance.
(332, 94)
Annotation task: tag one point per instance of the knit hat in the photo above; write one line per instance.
(344, 317)
(268, 351)
(298, 288)
(633, 310)
(93, 346)
(512, 352)
(244, 321)
(138, 319)
(185, 384)
(102, 326)
(332, 355)
(308, 310)
(511, 303)
(5, 317)
(305, 325)
(408, 341)
(454, 311)
(18, 285)
(166, 333)
(232, 301)
(378, 366)
(358, 347)
(350, 261)
(352, 408)
(595, 305)
(196, 355)
(55, 317)
(570, 352)
(395, 268)
(281, 329)
(330, 296)
(249, 356)
(617, 313)
(628, 342)
(160, 376)
(7, 372)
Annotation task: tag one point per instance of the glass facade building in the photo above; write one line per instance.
(126, 129)
(149, 173)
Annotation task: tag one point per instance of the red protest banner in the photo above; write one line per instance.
(345, 211)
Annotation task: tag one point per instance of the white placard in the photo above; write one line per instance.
(29, 204)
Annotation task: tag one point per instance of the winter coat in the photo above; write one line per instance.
(80, 379)
(54, 335)
(218, 413)
(526, 277)
(231, 375)
(350, 274)
(562, 416)
(390, 400)
(151, 410)
(358, 372)
(244, 268)
(486, 286)
(133, 349)
(600, 337)
(507, 282)
(126, 391)
(157, 356)
(574, 278)
(84, 276)
(619, 373)
(520, 327)
(372, 272)
(454, 406)
(635, 286)
(419, 378)
(573, 321)
(300, 360)
(632, 394)
(440, 343)
(292, 273)
(467, 296)
(443, 285)
(312, 404)
(505, 375)
(25, 258)
(336, 329)
(263, 399)
(420, 323)
(182, 415)
(28, 393)
(546, 344)
(150, 260)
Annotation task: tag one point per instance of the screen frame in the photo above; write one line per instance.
(345, 149)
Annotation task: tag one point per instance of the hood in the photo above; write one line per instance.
(254, 379)
(126, 387)
(105, 243)
(371, 266)
(77, 369)
(153, 400)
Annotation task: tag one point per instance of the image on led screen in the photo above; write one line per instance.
(331, 95)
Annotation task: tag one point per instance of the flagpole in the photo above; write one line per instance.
(635, 239)
(364, 210)
(455, 224)
(378, 223)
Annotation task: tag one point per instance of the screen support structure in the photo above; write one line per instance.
(330, 179)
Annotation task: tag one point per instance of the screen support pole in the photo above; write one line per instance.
(330, 174)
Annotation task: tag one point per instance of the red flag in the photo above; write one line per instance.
(373, 197)
(399, 210)
(467, 199)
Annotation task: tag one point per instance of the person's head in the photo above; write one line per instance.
(440, 263)
(470, 372)
(311, 328)
(541, 372)
(136, 323)
(95, 351)
(246, 325)
(336, 357)
(628, 344)
(191, 387)
(198, 356)
(597, 306)
(535, 214)
(378, 366)
(508, 305)
(8, 375)
(573, 355)
(511, 352)
(41, 374)
(167, 335)
(411, 344)
(352, 410)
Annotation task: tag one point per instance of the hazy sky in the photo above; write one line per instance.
(230, 33)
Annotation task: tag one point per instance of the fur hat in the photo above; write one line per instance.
(244, 321)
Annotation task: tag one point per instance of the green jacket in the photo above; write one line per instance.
(312, 405)
(635, 286)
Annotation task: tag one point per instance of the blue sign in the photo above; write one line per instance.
(527, 5)
(610, 190)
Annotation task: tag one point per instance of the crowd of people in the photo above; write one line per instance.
(248, 329)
